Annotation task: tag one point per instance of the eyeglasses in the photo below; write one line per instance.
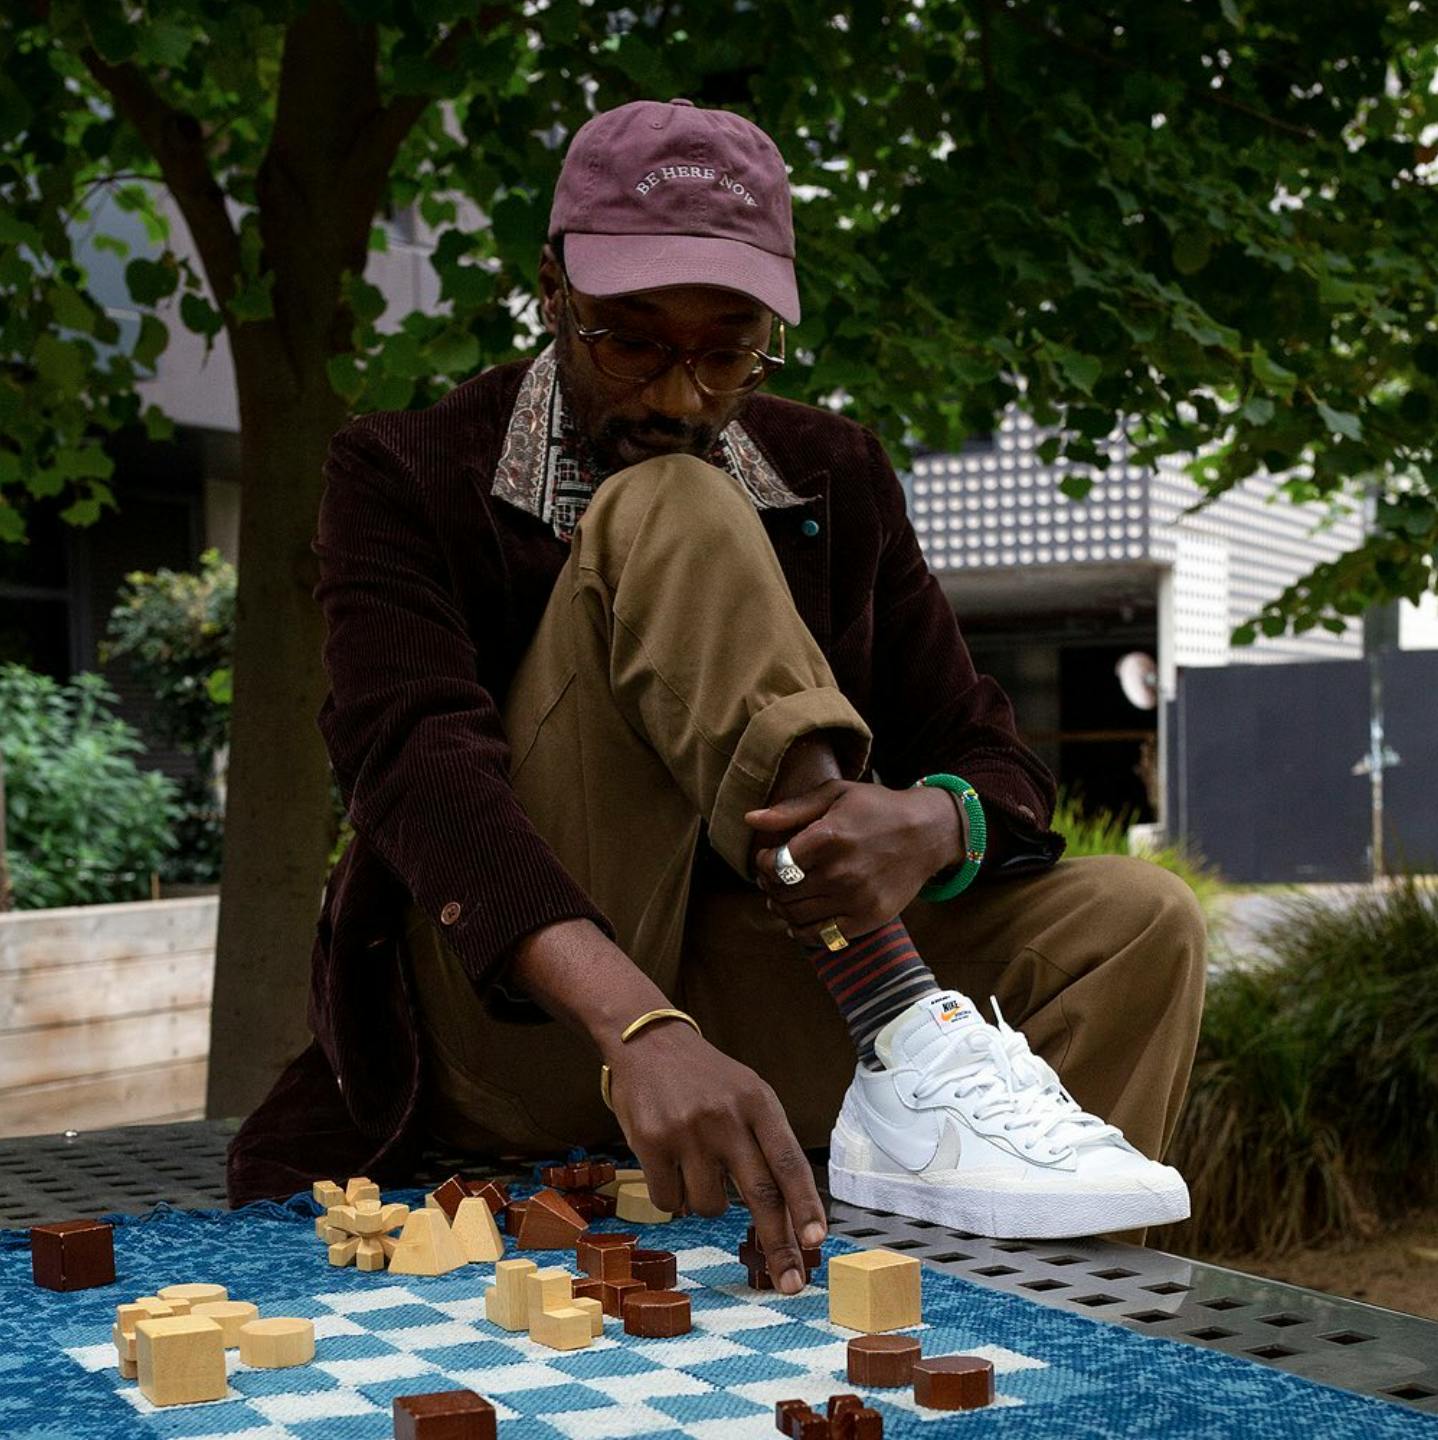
(638, 359)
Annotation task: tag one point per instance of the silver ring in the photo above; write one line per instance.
(787, 872)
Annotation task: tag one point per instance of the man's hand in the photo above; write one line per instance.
(865, 851)
(692, 1116)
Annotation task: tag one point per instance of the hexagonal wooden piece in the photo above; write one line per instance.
(657, 1314)
(277, 1342)
(954, 1382)
(882, 1362)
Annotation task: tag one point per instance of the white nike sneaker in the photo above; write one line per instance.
(967, 1127)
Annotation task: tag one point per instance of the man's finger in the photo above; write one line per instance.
(797, 810)
(704, 1191)
(789, 1167)
(772, 1225)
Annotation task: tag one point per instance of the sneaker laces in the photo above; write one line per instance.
(994, 1065)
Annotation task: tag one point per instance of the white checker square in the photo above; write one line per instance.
(382, 1297)
(1005, 1362)
(726, 1318)
(375, 1368)
(632, 1389)
(732, 1427)
(460, 1309)
(832, 1358)
(694, 1348)
(503, 1379)
(601, 1424)
(317, 1405)
(328, 1326)
(435, 1337)
(94, 1357)
(701, 1257)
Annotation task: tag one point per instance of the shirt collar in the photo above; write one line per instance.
(549, 470)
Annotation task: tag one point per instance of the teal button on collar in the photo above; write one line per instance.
(810, 528)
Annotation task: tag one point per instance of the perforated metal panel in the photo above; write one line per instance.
(1340, 1342)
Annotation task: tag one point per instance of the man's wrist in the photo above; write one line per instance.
(949, 827)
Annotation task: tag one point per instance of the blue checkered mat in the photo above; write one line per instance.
(1059, 1376)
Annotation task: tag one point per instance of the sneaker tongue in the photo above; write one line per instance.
(926, 1026)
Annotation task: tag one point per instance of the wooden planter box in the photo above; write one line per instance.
(105, 1014)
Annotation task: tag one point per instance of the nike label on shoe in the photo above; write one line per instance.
(947, 1011)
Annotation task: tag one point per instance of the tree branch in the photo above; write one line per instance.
(177, 142)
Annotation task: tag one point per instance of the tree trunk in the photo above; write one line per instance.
(279, 828)
(4, 864)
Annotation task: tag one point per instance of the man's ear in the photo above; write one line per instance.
(551, 298)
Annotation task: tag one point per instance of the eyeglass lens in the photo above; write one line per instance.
(631, 357)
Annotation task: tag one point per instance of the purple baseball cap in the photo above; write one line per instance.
(663, 193)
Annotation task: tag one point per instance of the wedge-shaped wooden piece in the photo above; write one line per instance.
(550, 1223)
(277, 1342)
(478, 1234)
(506, 1302)
(874, 1290)
(632, 1203)
(180, 1361)
(426, 1246)
(568, 1328)
(229, 1315)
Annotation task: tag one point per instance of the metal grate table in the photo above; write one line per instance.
(1357, 1347)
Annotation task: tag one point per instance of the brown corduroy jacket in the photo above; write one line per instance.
(431, 588)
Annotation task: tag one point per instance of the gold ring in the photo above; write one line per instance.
(832, 936)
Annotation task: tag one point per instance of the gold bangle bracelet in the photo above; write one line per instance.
(649, 1017)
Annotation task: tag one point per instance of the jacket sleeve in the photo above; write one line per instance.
(415, 740)
(937, 713)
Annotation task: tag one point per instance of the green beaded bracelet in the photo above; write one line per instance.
(968, 797)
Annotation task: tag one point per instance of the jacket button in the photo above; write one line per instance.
(450, 913)
(810, 528)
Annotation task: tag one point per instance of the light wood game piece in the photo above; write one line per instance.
(475, 1229)
(621, 1177)
(568, 1328)
(548, 1289)
(506, 1302)
(426, 1247)
(180, 1360)
(327, 1193)
(277, 1342)
(632, 1203)
(192, 1294)
(326, 1230)
(874, 1290)
(124, 1352)
(361, 1187)
(229, 1315)
(594, 1310)
(344, 1251)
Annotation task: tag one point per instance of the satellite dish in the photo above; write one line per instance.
(1138, 675)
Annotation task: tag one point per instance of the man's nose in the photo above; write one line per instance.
(675, 394)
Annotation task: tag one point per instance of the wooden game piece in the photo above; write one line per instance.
(514, 1216)
(605, 1257)
(799, 1420)
(591, 1307)
(72, 1255)
(873, 1290)
(506, 1302)
(856, 1422)
(547, 1289)
(549, 1223)
(446, 1197)
(426, 1246)
(882, 1362)
(476, 1231)
(495, 1195)
(567, 1328)
(447, 1415)
(361, 1187)
(613, 1294)
(954, 1382)
(229, 1315)
(277, 1342)
(657, 1314)
(656, 1268)
(344, 1251)
(326, 1193)
(326, 1231)
(192, 1294)
(632, 1203)
(752, 1257)
(601, 1172)
(180, 1360)
(620, 1177)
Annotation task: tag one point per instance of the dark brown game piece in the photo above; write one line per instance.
(882, 1362)
(784, 1412)
(514, 1216)
(582, 1203)
(797, 1419)
(448, 1195)
(656, 1268)
(588, 1289)
(549, 1223)
(860, 1424)
(604, 1206)
(657, 1314)
(614, 1293)
(73, 1254)
(491, 1192)
(954, 1382)
(445, 1415)
(838, 1404)
(579, 1175)
(757, 1266)
(605, 1257)
(601, 1172)
(555, 1176)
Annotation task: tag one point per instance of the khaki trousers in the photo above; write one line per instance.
(668, 676)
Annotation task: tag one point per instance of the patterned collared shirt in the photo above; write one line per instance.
(548, 469)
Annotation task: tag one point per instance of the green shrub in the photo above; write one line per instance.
(84, 825)
(1101, 832)
(178, 630)
(1313, 1111)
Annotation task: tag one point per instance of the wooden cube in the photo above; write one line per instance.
(874, 1290)
(445, 1415)
(73, 1255)
(180, 1361)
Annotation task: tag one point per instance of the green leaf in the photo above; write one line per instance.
(1258, 410)
(84, 511)
(62, 363)
(153, 338)
(1191, 251)
(151, 280)
(345, 375)
(71, 309)
(1271, 373)
(1080, 370)
(1343, 421)
(455, 354)
(12, 526)
(253, 300)
(75, 461)
(1243, 635)
(158, 426)
(1076, 487)
(200, 316)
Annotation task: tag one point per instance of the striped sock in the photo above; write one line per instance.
(872, 979)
